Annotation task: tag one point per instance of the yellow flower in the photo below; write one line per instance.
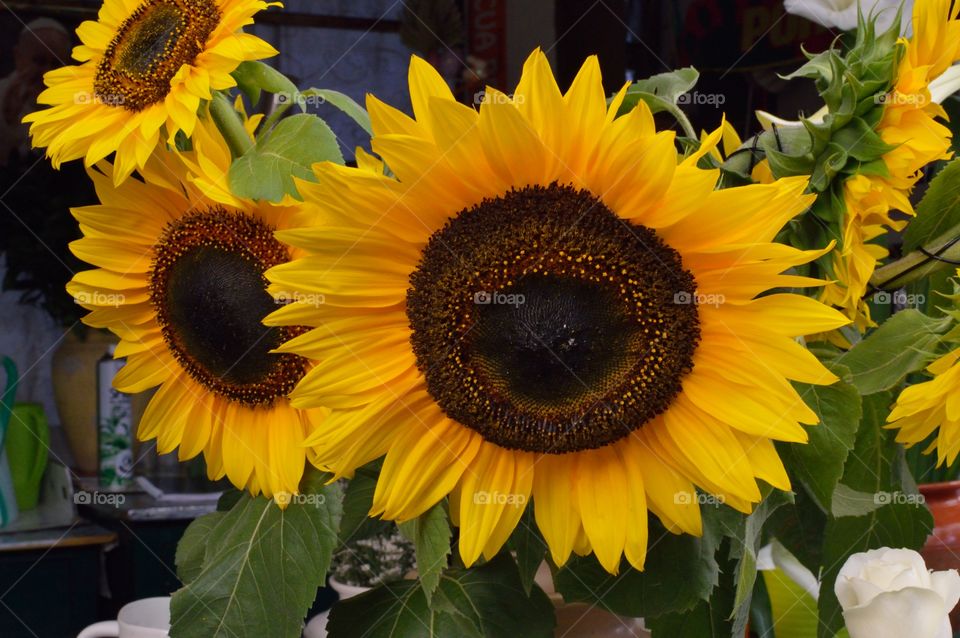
(910, 122)
(145, 66)
(179, 279)
(547, 304)
(923, 407)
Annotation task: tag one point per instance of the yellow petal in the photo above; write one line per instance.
(555, 509)
(423, 466)
(603, 497)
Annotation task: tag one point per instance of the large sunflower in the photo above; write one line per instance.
(911, 124)
(179, 279)
(516, 316)
(145, 67)
(924, 407)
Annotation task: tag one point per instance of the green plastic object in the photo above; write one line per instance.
(8, 506)
(28, 445)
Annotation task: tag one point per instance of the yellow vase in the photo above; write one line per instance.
(75, 393)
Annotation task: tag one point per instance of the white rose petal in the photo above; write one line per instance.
(890, 593)
(947, 584)
(859, 591)
(914, 612)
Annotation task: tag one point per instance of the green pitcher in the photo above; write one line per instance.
(28, 445)
(8, 503)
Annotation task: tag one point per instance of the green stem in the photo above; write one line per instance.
(677, 113)
(269, 79)
(230, 124)
(919, 263)
(274, 117)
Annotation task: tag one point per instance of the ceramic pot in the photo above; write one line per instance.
(942, 549)
(75, 393)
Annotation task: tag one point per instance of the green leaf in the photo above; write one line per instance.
(193, 546)
(818, 67)
(530, 548)
(680, 571)
(666, 86)
(799, 528)
(903, 344)
(873, 463)
(485, 601)
(255, 75)
(346, 104)
(874, 467)
(818, 464)
(938, 211)
(789, 149)
(245, 75)
(850, 502)
(357, 501)
(267, 171)
(662, 92)
(228, 499)
(430, 533)
(261, 569)
(861, 141)
(744, 550)
(708, 618)
(761, 612)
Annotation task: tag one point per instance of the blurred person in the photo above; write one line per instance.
(43, 45)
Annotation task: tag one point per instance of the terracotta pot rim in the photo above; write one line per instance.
(942, 486)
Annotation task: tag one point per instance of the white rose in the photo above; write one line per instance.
(891, 593)
(842, 14)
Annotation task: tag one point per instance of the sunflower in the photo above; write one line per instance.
(545, 304)
(179, 279)
(910, 122)
(923, 407)
(145, 65)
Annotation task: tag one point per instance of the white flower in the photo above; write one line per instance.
(842, 14)
(889, 593)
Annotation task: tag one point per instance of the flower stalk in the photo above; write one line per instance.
(943, 252)
(230, 125)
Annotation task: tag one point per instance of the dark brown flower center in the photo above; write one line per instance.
(209, 292)
(150, 46)
(545, 322)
